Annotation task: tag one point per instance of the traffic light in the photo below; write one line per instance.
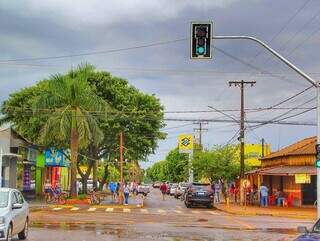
(201, 34)
(317, 163)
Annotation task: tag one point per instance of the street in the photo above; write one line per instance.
(158, 220)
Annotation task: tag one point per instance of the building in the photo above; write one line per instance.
(292, 170)
(14, 152)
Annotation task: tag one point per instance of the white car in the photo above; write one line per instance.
(173, 188)
(14, 214)
(143, 189)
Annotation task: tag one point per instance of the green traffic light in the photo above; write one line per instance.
(200, 50)
(318, 163)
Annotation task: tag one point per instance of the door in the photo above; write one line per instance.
(21, 212)
(14, 213)
(309, 192)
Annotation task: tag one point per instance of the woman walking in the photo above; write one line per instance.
(126, 191)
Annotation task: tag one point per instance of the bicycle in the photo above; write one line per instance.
(56, 198)
(94, 198)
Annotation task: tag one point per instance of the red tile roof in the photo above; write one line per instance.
(284, 170)
(304, 147)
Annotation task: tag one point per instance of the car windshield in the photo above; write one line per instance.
(4, 196)
(201, 187)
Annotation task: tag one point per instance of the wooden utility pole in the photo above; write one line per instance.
(121, 157)
(262, 146)
(242, 84)
(200, 129)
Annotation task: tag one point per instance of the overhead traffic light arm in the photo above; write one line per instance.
(275, 53)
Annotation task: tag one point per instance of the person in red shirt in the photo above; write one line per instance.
(163, 189)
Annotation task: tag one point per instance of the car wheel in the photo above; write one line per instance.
(24, 233)
(9, 233)
(209, 205)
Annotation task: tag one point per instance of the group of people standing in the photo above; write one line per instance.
(120, 191)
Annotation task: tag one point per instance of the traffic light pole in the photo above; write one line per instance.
(316, 84)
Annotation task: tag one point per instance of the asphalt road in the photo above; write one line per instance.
(158, 220)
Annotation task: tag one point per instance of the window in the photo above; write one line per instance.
(4, 196)
(19, 197)
(14, 199)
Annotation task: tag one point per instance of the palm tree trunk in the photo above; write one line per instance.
(74, 157)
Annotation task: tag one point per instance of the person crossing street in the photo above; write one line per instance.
(163, 189)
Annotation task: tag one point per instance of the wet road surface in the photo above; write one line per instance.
(158, 220)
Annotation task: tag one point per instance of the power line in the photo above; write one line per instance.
(96, 52)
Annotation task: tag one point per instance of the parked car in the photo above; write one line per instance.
(199, 194)
(156, 184)
(180, 190)
(14, 214)
(173, 188)
(143, 189)
(309, 235)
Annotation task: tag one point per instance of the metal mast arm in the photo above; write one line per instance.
(275, 53)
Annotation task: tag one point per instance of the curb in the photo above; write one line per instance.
(243, 213)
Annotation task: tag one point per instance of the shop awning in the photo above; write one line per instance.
(284, 170)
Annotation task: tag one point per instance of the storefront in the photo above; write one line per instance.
(291, 170)
(52, 167)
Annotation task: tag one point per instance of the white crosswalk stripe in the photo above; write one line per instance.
(177, 211)
(161, 211)
(92, 209)
(109, 210)
(144, 210)
(74, 209)
(195, 212)
(126, 210)
(56, 209)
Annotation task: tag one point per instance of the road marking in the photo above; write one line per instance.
(109, 210)
(213, 213)
(247, 225)
(177, 211)
(161, 211)
(92, 209)
(195, 212)
(144, 210)
(56, 209)
(126, 210)
(179, 207)
(74, 209)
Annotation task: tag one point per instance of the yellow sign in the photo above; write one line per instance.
(302, 178)
(185, 143)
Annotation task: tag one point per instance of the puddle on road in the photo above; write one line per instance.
(99, 229)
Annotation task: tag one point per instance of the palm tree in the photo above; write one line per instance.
(72, 104)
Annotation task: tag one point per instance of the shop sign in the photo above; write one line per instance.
(302, 178)
(54, 157)
(185, 143)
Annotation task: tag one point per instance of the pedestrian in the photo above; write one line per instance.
(280, 197)
(232, 191)
(112, 188)
(117, 192)
(163, 189)
(217, 191)
(264, 195)
(126, 191)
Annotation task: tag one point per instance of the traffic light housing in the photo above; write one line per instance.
(201, 39)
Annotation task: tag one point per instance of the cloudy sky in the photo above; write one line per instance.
(36, 29)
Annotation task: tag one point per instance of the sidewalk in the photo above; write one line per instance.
(289, 212)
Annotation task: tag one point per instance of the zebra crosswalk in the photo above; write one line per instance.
(177, 211)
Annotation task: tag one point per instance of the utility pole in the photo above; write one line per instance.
(200, 129)
(262, 146)
(242, 84)
(121, 157)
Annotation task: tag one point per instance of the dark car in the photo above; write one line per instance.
(199, 194)
(313, 234)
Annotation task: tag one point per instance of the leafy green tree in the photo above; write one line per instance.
(138, 115)
(71, 102)
(220, 162)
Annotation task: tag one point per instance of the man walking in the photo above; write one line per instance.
(264, 195)
(217, 191)
(112, 188)
(163, 189)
